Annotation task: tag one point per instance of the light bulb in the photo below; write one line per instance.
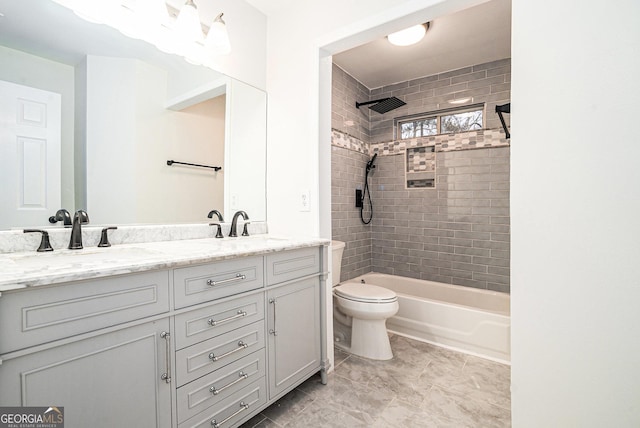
(188, 24)
(218, 38)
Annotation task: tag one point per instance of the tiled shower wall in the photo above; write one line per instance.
(456, 233)
(345, 117)
(349, 155)
(347, 174)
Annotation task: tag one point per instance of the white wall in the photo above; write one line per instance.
(575, 213)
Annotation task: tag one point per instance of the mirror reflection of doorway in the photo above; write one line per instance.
(30, 123)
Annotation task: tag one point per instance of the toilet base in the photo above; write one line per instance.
(369, 339)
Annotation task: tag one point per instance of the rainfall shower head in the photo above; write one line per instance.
(383, 105)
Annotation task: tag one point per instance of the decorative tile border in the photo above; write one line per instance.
(340, 139)
(480, 139)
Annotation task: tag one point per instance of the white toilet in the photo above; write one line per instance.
(360, 313)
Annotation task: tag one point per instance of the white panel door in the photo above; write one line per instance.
(29, 154)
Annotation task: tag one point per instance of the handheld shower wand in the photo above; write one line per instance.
(370, 163)
(366, 193)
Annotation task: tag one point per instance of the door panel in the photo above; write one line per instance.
(30, 124)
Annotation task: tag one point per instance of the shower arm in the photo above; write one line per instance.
(504, 108)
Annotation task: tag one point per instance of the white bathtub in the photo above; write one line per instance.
(461, 318)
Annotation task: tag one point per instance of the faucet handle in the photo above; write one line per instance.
(219, 231)
(45, 245)
(245, 232)
(104, 238)
(61, 215)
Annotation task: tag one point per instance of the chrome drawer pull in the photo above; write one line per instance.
(215, 391)
(241, 346)
(239, 314)
(273, 330)
(238, 277)
(243, 406)
(167, 375)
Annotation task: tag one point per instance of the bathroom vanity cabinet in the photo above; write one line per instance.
(293, 321)
(210, 344)
(59, 348)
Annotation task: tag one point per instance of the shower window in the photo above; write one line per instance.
(419, 128)
(460, 122)
(447, 121)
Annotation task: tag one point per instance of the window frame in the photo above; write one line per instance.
(437, 114)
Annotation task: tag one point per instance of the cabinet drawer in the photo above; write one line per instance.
(198, 284)
(219, 318)
(288, 265)
(203, 393)
(228, 413)
(205, 357)
(44, 314)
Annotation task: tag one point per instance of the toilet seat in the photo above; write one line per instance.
(365, 293)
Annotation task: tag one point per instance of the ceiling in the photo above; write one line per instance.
(472, 36)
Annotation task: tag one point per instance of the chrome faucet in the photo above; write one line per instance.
(61, 215)
(217, 213)
(234, 224)
(81, 217)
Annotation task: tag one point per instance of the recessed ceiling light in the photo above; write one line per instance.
(409, 36)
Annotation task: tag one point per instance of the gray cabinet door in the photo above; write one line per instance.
(293, 326)
(111, 380)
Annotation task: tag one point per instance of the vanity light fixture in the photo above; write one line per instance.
(408, 36)
(187, 25)
(151, 12)
(178, 32)
(218, 38)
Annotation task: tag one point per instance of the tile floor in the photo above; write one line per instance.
(423, 386)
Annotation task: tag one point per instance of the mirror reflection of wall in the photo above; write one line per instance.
(130, 135)
(113, 153)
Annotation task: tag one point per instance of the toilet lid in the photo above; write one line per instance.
(365, 293)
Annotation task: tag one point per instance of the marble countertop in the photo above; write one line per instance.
(28, 269)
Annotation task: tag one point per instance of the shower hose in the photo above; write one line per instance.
(366, 194)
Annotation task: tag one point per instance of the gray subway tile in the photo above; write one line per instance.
(489, 261)
(503, 288)
(472, 235)
(471, 251)
(497, 279)
(480, 269)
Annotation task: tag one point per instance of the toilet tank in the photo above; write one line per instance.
(337, 248)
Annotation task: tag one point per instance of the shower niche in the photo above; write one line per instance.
(420, 167)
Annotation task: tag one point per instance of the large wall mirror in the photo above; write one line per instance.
(89, 119)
